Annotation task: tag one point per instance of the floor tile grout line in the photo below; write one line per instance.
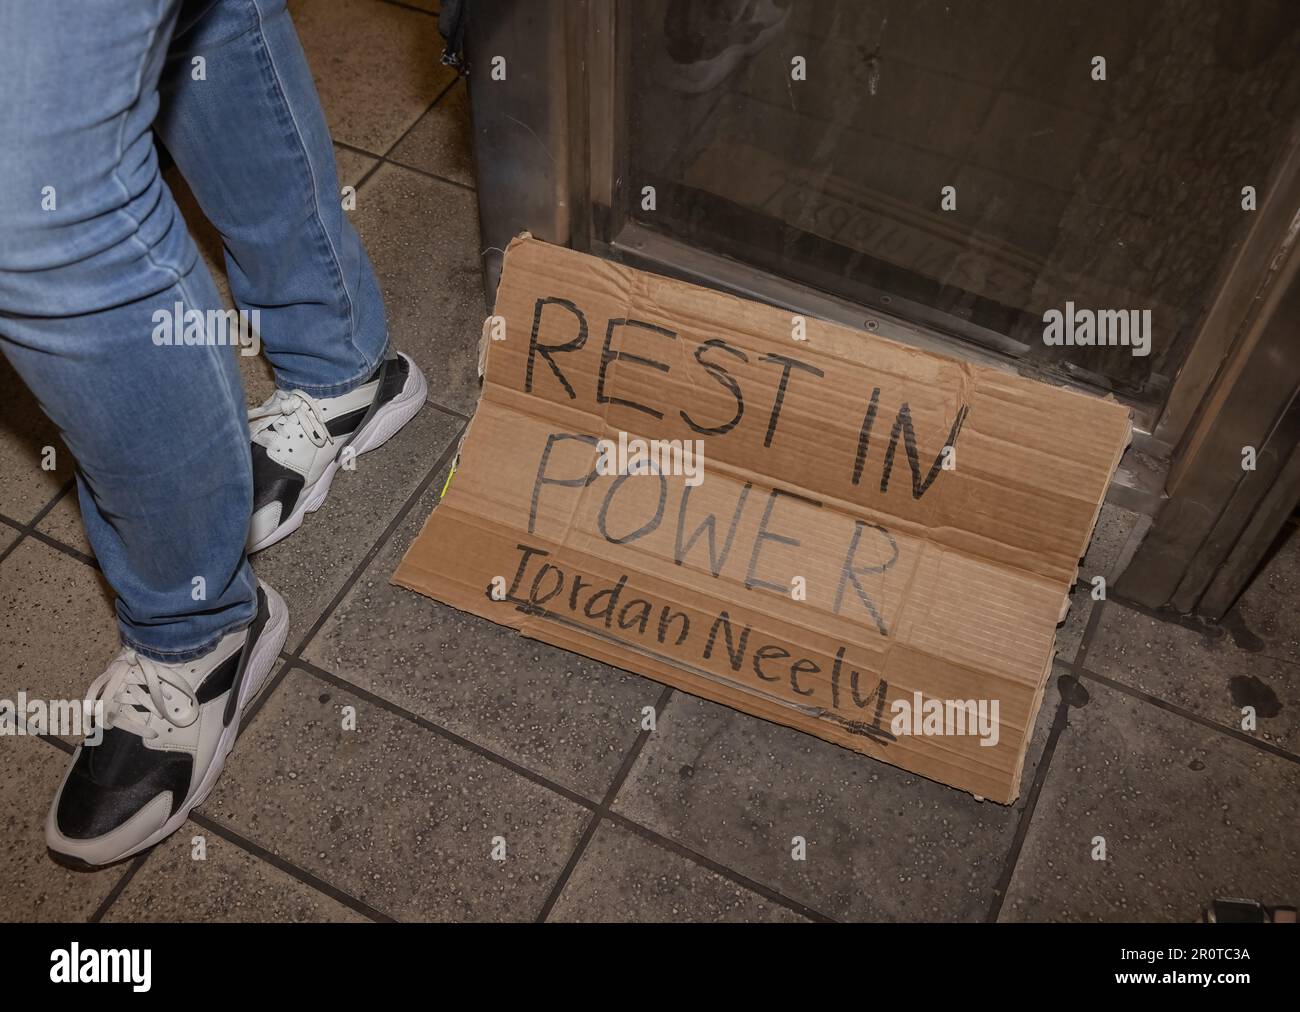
(634, 753)
(388, 160)
(431, 175)
(57, 498)
(264, 693)
(645, 832)
(387, 157)
(382, 159)
(355, 148)
(468, 744)
(270, 688)
(119, 887)
(1059, 723)
(65, 747)
(444, 457)
(1163, 704)
(30, 527)
(416, 122)
(252, 848)
(561, 880)
(446, 410)
(611, 792)
(410, 7)
(365, 176)
(543, 781)
(299, 874)
(1089, 634)
(1003, 884)
(709, 864)
(599, 810)
(52, 542)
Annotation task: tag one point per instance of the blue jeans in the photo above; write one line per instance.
(93, 249)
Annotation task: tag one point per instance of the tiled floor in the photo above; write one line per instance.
(473, 743)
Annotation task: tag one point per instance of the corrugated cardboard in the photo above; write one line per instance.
(823, 471)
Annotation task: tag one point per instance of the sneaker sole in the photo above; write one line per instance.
(381, 428)
(260, 662)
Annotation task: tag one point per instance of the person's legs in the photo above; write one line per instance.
(96, 271)
(92, 249)
(241, 117)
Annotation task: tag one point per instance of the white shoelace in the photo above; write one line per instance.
(136, 689)
(270, 421)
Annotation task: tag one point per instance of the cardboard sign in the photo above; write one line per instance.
(808, 523)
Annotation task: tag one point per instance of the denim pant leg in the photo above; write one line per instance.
(241, 117)
(94, 259)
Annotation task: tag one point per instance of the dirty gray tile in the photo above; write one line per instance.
(63, 523)
(376, 66)
(8, 535)
(422, 236)
(32, 886)
(352, 165)
(1187, 815)
(309, 567)
(1069, 634)
(882, 843)
(57, 626)
(565, 716)
(440, 142)
(1109, 539)
(391, 813)
(623, 877)
(1266, 617)
(227, 885)
(1200, 669)
(25, 433)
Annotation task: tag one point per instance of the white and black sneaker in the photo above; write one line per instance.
(298, 442)
(167, 730)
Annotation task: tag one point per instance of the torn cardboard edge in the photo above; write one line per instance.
(958, 609)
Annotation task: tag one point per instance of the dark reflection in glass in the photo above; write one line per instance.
(1115, 194)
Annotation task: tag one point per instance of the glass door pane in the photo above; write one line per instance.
(1122, 192)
